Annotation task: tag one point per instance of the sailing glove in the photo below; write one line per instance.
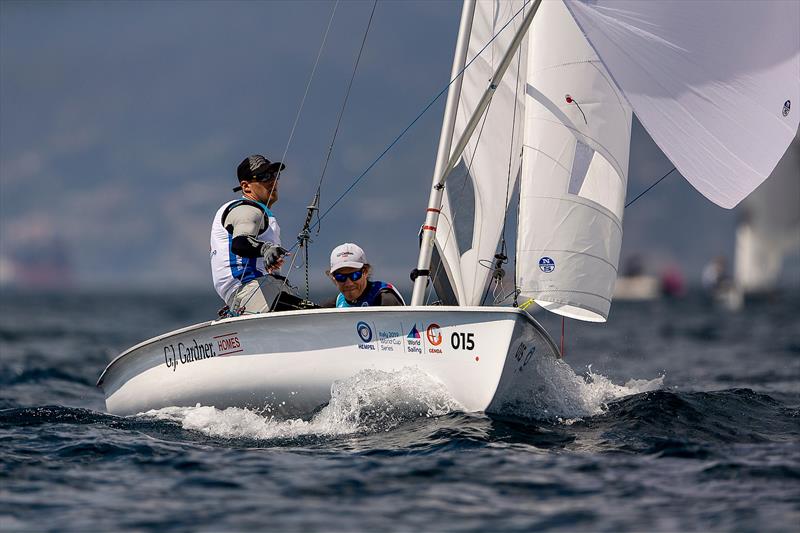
(272, 254)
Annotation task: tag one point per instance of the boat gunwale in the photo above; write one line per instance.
(304, 312)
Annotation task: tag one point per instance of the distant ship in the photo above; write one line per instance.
(46, 266)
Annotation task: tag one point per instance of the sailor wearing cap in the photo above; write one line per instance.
(246, 240)
(350, 273)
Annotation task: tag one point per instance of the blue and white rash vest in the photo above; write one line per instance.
(229, 270)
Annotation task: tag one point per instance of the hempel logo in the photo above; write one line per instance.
(364, 331)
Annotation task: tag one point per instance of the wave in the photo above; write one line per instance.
(368, 402)
(375, 401)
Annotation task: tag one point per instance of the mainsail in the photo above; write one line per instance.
(575, 172)
(714, 84)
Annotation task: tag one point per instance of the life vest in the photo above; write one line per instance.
(370, 295)
(229, 270)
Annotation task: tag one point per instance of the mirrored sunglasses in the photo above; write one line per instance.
(353, 276)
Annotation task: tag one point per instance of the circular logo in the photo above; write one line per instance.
(364, 331)
(547, 265)
(787, 106)
(434, 337)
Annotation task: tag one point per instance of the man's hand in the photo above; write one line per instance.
(273, 256)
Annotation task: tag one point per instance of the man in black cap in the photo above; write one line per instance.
(246, 252)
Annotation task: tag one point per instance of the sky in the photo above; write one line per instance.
(122, 123)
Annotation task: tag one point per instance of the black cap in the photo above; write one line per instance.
(257, 168)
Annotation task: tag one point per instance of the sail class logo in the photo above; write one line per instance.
(364, 331)
(433, 334)
(787, 106)
(547, 265)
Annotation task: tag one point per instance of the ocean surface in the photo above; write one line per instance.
(674, 416)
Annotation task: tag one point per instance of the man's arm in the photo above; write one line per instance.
(387, 297)
(245, 222)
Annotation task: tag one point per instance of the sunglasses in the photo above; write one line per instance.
(353, 276)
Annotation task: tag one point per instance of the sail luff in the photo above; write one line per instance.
(451, 108)
(435, 201)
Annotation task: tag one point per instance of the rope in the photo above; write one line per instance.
(650, 187)
(455, 211)
(421, 113)
(502, 258)
(297, 119)
(303, 237)
(346, 97)
(308, 86)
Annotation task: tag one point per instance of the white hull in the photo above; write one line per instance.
(288, 361)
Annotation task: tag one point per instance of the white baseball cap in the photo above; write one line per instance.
(347, 255)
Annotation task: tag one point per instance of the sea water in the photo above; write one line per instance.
(674, 416)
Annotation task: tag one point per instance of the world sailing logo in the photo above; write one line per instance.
(787, 106)
(547, 265)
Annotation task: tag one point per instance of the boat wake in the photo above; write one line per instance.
(368, 402)
(560, 394)
(374, 401)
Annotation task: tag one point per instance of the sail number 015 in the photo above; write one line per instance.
(462, 341)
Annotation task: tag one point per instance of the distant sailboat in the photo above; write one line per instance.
(712, 92)
(769, 227)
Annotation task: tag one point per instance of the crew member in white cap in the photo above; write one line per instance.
(350, 273)
(246, 251)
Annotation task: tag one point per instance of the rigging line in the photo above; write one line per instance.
(467, 179)
(310, 79)
(416, 119)
(344, 103)
(650, 187)
(318, 194)
(508, 179)
(297, 120)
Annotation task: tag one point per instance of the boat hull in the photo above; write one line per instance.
(287, 362)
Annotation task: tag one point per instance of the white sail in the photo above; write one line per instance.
(476, 196)
(715, 84)
(769, 226)
(575, 172)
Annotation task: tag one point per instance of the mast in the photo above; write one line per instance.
(422, 271)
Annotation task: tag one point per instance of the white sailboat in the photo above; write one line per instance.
(543, 94)
(769, 227)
